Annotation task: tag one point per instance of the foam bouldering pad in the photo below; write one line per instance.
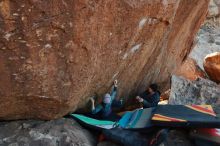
(192, 116)
(137, 119)
(93, 123)
(202, 116)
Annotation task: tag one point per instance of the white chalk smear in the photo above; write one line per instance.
(115, 75)
(142, 22)
(48, 46)
(7, 36)
(135, 48)
(125, 56)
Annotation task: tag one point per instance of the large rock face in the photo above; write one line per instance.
(57, 53)
(201, 91)
(190, 70)
(62, 132)
(212, 66)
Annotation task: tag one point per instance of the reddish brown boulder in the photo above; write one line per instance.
(190, 70)
(55, 54)
(212, 66)
(165, 95)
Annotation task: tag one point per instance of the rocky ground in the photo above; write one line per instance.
(200, 91)
(61, 132)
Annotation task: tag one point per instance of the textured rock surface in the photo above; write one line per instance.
(214, 8)
(212, 66)
(208, 41)
(55, 54)
(190, 70)
(62, 132)
(201, 91)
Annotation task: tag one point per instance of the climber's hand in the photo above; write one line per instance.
(92, 100)
(116, 83)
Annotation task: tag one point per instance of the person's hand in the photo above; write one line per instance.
(116, 83)
(139, 99)
(93, 103)
(92, 100)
